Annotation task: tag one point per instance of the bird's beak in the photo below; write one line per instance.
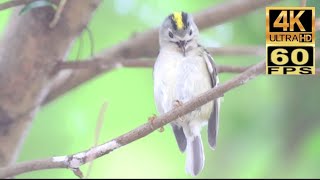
(182, 46)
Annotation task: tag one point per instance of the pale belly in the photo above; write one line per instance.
(182, 80)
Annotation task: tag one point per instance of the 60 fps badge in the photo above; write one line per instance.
(290, 40)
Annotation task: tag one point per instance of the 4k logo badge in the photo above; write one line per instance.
(290, 40)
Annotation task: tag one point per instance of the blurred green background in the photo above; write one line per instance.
(268, 128)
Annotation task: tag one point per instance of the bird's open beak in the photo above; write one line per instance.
(182, 46)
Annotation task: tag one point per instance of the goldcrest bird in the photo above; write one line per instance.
(183, 70)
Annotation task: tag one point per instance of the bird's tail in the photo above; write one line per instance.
(195, 155)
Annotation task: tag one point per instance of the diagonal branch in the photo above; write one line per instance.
(76, 160)
(146, 44)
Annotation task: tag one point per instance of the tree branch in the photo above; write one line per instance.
(142, 63)
(76, 160)
(105, 64)
(101, 64)
(27, 56)
(146, 44)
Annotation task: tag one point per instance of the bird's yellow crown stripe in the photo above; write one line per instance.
(177, 17)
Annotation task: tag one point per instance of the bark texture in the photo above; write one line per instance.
(28, 52)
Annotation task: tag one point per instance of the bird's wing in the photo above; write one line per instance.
(213, 123)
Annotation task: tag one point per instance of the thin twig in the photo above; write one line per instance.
(142, 63)
(100, 123)
(76, 160)
(100, 64)
(57, 15)
(217, 51)
(79, 47)
(14, 3)
(105, 65)
(97, 134)
(90, 34)
(79, 77)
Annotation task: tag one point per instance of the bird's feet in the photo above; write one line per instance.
(161, 129)
(177, 103)
(151, 119)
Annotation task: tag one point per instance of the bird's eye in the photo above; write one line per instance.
(170, 34)
(190, 33)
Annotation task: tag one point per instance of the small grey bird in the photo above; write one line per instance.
(183, 70)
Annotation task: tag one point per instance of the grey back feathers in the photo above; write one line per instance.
(213, 123)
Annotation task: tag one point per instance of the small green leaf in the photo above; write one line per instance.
(36, 4)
